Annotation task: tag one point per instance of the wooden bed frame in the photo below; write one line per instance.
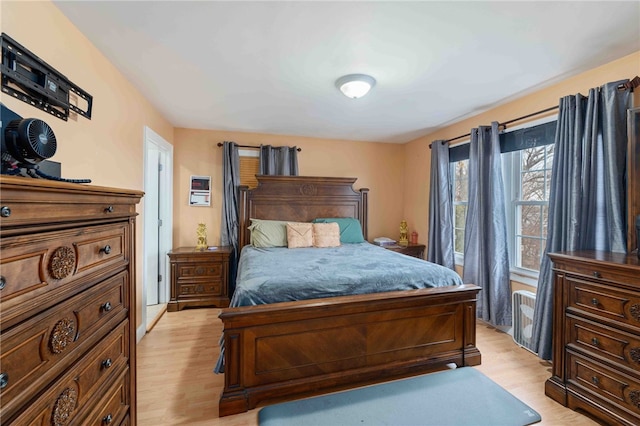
(289, 350)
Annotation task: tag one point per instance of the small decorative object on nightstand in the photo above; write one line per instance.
(415, 250)
(199, 277)
(414, 237)
(202, 236)
(403, 241)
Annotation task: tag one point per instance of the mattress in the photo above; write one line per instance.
(280, 274)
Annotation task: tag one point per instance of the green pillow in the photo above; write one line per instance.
(268, 233)
(350, 229)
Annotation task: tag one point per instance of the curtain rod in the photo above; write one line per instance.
(254, 147)
(631, 84)
(504, 125)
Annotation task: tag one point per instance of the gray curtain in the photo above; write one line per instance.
(440, 248)
(486, 257)
(587, 196)
(278, 160)
(230, 198)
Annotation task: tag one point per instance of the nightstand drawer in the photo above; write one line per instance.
(209, 289)
(199, 271)
(614, 345)
(595, 378)
(414, 250)
(601, 300)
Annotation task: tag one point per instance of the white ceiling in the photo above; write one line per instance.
(270, 67)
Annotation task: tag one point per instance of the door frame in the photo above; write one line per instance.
(152, 140)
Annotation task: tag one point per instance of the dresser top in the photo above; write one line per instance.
(39, 185)
(599, 257)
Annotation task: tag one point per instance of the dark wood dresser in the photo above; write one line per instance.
(199, 278)
(415, 250)
(67, 303)
(596, 335)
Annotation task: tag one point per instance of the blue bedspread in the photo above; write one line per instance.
(281, 274)
(271, 275)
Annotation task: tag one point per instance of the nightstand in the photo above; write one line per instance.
(415, 250)
(199, 278)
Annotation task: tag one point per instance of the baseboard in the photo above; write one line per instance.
(141, 331)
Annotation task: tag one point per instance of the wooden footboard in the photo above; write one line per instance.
(294, 349)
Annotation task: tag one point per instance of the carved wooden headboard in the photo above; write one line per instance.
(300, 199)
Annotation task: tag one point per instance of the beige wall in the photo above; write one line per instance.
(108, 149)
(418, 154)
(378, 166)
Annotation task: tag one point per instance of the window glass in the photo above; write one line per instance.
(529, 209)
(460, 171)
(249, 167)
(527, 160)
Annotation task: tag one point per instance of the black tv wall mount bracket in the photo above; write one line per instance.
(32, 80)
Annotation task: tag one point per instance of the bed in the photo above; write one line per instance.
(285, 350)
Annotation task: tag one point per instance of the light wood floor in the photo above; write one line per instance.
(177, 386)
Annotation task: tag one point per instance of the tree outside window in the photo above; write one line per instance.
(531, 205)
(460, 202)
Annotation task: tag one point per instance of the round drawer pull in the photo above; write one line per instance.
(3, 282)
(107, 363)
(595, 302)
(5, 211)
(595, 380)
(106, 249)
(106, 307)
(597, 274)
(109, 209)
(107, 419)
(4, 380)
(595, 342)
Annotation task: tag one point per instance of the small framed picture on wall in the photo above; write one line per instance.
(200, 191)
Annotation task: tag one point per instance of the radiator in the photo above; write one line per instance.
(524, 303)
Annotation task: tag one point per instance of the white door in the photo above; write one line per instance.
(158, 222)
(153, 275)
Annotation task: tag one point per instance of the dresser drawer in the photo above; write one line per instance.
(617, 305)
(113, 407)
(77, 391)
(43, 269)
(611, 267)
(37, 350)
(35, 203)
(189, 272)
(612, 386)
(614, 345)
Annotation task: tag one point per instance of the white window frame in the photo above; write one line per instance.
(458, 257)
(510, 173)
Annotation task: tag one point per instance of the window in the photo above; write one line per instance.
(527, 187)
(460, 171)
(527, 157)
(249, 167)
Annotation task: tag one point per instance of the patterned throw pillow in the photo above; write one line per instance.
(299, 235)
(326, 235)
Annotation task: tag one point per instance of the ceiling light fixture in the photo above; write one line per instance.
(355, 86)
